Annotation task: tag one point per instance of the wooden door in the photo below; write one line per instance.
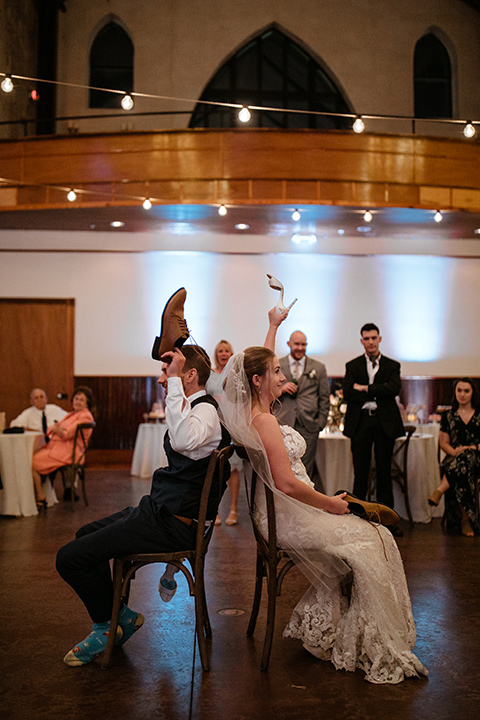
(36, 350)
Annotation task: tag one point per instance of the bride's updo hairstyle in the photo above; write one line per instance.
(257, 360)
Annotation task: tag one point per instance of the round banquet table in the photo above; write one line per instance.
(18, 496)
(149, 454)
(335, 468)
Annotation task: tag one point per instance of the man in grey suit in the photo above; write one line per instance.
(305, 399)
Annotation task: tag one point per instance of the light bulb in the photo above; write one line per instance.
(358, 126)
(367, 216)
(127, 102)
(7, 84)
(438, 217)
(469, 130)
(222, 210)
(296, 215)
(244, 114)
(147, 204)
(72, 196)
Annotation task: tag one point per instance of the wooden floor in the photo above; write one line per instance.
(154, 675)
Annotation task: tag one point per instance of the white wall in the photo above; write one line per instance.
(426, 307)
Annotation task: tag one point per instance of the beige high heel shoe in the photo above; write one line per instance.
(435, 498)
(277, 285)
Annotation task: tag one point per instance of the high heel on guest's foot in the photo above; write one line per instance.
(467, 529)
(277, 285)
(232, 518)
(41, 504)
(435, 498)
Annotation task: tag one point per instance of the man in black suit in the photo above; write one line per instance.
(372, 382)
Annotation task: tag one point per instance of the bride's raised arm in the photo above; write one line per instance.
(274, 321)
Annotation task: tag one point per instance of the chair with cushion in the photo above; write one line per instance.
(273, 563)
(124, 568)
(399, 470)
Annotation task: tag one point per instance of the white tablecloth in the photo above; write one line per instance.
(149, 453)
(18, 496)
(334, 463)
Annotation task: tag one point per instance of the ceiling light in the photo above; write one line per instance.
(477, 231)
(299, 239)
(72, 196)
(242, 226)
(7, 84)
(222, 210)
(147, 204)
(358, 126)
(438, 217)
(367, 216)
(364, 229)
(244, 114)
(117, 224)
(127, 102)
(469, 130)
(296, 215)
(341, 231)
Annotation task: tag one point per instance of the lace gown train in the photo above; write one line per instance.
(375, 631)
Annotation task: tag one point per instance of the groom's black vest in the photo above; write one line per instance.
(178, 487)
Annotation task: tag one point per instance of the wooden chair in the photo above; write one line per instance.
(124, 568)
(399, 470)
(273, 563)
(77, 467)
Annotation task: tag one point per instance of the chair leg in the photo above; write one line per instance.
(206, 620)
(118, 572)
(272, 602)
(257, 595)
(407, 502)
(200, 612)
(81, 475)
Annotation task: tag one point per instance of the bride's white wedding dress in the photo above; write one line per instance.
(375, 631)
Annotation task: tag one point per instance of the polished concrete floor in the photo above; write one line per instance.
(155, 675)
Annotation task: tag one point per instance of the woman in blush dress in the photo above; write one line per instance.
(223, 353)
(58, 451)
(375, 630)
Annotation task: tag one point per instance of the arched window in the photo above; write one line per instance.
(432, 79)
(272, 71)
(111, 66)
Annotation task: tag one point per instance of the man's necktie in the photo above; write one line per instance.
(44, 426)
(296, 368)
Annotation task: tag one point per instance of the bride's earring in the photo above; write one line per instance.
(277, 285)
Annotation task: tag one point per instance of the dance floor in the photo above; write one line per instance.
(155, 675)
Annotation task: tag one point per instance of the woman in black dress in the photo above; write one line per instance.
(460, 470)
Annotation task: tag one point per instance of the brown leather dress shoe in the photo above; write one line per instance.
(376, 512)
(173, 330)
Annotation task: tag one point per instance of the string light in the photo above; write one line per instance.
(7, 84)
(72, 196)
(367, 216)
(438, 217)
(296, 215)
(358, 126)
(469, 130)
(244, 114)
(147, 204)
(222, 210)
(127, 102)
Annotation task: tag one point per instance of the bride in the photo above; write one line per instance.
(374, 631)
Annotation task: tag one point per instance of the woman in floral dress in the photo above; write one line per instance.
(460, 441)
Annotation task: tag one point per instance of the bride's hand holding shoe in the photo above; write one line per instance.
(337, 505)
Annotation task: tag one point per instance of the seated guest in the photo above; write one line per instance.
(58, 452)
(460, 470)
(40, 415)
(164, 520)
